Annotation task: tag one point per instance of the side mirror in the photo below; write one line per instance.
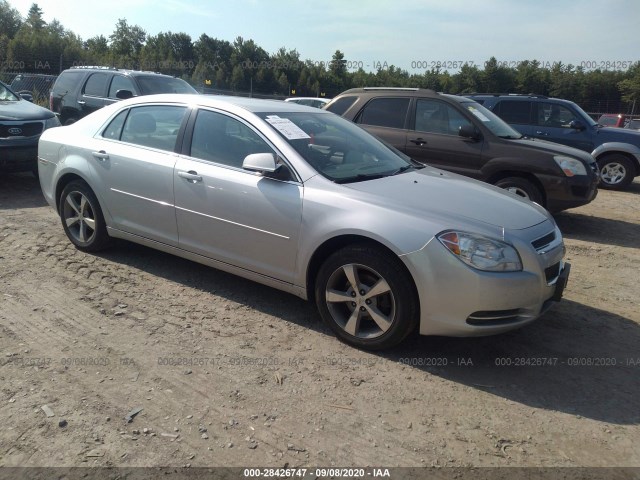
(260, 162)
(26, 96)
(576, 125)
(124, 94)
(469, 131)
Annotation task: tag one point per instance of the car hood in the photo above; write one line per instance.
(23, 110)
(611, 134)
(553, 148)
(431, 192)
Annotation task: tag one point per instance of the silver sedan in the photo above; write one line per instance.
(301, 200)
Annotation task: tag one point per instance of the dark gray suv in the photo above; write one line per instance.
(457, 134)
(616, 150)
(79, 91)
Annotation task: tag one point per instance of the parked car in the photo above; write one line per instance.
(33, 86)
(79, 91)
(634, 124)
(457, 134)
(301, 200)
(617, 120)
(309, 101)
(616, 150)
(21, 124)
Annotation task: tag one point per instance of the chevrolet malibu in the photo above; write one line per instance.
(301, 200)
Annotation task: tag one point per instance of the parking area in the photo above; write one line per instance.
(231, 373)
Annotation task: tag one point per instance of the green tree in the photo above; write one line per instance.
(126, 43)
(34, 17)
(10, 21)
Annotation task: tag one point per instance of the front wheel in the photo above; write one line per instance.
(522, 187)
(616, 171)
(365, 295)
(82, 217)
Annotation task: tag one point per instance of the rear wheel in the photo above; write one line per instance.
(82, 217)
(366, 297)
(616, 171)
(521, 187)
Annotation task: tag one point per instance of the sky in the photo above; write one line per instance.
(410, 34)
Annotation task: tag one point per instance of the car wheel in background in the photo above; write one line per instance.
(82, 217)
(522, 187)
(366, 297)
(616, 171)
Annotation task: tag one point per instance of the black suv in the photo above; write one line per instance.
(457, 134)
(616, 150)
(79, 91)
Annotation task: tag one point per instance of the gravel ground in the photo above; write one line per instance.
(230, 373)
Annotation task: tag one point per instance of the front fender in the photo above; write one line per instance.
(617, 147)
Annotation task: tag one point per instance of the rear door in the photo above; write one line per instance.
(93, 93)
(387, 119)
(133, 161)
(517, 113)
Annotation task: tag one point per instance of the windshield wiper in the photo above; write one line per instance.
(361, 177)
(511, 137)
(403, 169)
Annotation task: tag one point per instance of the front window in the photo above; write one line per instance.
(554, 115)
(435, 116)
(490, 120)
(120, 83)
(336, 148)
(152, 84)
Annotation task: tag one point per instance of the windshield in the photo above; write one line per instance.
(339, 150)
(490, 120)
(153, 84)
(7, 95)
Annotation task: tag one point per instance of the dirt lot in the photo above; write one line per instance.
(231, 373)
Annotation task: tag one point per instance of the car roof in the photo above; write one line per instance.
(255, 105)
(516, 96)
(403, 92)
(133, 73)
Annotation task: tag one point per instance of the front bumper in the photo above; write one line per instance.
(19, 158)
(457, 300)
(570, 192)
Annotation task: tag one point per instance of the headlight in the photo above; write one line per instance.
(481, 252)
(51, 122)
(570, 166)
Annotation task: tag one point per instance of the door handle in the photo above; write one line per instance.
(101, 155)
(191, 176)
(544, 134)
(419, 141)
(81, 102)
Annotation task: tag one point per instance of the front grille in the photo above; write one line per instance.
(552, 272)
(494, 317)
(17, 129)
(544, 241)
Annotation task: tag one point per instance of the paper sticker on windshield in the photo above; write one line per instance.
(479, 114)
(287, 128)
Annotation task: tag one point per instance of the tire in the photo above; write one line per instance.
(82, 217)
(523, 188)
(616, 171)
(357, 317)
(70, 121)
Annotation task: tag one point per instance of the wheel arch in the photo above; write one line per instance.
(65, 180)
(328, 247)
(599, 155)
(499, 175)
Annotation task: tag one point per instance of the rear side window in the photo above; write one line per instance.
(514, 112)
(66, 81)
(114, 129)
(341, 105)
(385, 112)
(96, 85)
(154, 126)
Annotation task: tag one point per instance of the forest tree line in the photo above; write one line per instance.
(31, 45)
